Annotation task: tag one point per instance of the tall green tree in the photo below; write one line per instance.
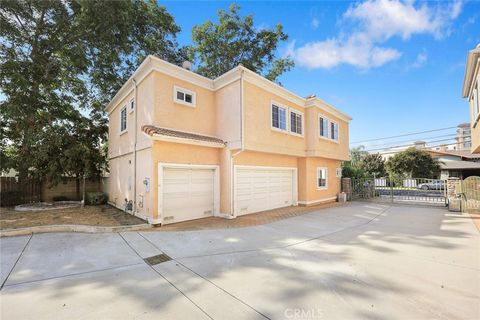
(373, 165)
(60, 62)
(413, 163)
(235, 40)
(356, 155)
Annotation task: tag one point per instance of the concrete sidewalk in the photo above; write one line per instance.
(362, 260)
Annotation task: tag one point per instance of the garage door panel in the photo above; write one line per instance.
(188, 193)
(258, 189)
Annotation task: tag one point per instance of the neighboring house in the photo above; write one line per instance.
(460, 164)
(453, 162)
(471, 91)
(182, 146)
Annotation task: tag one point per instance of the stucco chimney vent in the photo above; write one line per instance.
(187, 65)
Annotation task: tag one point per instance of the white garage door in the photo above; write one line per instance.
(187, 194)
(258, 189)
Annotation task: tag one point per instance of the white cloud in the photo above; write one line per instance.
(421, 59)
(374, 22)
(315, 23)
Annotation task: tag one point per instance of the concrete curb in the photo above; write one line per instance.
(72, 228)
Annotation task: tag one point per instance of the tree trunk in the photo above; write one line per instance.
(77, 187)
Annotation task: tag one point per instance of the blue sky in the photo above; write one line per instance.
(395, 67)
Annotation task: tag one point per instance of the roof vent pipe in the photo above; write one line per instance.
(187, 65)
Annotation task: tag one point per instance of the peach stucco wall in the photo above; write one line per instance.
(259, 135)
(228, 109)
(307, 179)
(200, 119)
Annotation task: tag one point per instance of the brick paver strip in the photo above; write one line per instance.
(248, 220)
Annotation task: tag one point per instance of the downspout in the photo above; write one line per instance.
(135, 111)
(242, 139)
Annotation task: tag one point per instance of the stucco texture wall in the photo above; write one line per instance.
(308, 193)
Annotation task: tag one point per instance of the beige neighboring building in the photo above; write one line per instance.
(182, 146)
(471, 91)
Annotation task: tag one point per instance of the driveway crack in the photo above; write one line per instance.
(16, 261)
(151, 267)
(209, 281)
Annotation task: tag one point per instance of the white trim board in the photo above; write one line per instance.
(317, 201)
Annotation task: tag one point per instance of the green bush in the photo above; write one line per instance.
(10, 198)
(96, 198)
(349, 171)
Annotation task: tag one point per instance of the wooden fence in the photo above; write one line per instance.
(13, 192)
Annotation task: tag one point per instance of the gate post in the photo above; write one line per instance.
(347, 187)
(452, 183)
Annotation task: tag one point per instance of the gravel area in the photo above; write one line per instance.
(104, 215)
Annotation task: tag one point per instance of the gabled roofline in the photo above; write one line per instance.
(152, 63)
(473, 58)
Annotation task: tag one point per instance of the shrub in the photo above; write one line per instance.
(10, 198)
(60, 198)
(96, 198)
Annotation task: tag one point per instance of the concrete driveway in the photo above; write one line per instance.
(361, 260)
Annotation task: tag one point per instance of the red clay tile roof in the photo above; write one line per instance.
(152, 130)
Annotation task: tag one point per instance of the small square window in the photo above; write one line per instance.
(184, 96)
(321, 178)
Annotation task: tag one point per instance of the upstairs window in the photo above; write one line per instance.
(296, 123)
(334, 131)
(321, 178)
(184, 96)
(323, 127)
(123, 119)
(279, 117)
(132, 105)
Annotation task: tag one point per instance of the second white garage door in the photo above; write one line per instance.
(259, 189)
(187, 194)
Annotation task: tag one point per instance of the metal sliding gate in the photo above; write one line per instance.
(412, 190)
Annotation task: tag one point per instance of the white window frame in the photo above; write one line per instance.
(338, 130)
(296, 112)
(327, 137)
(131, 105)
(287, 118)
(326, 178)
(126, 120)
(176, 89)
(329, 129)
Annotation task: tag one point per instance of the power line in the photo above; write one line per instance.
(404, 135)
(421, 139)
(410, 145)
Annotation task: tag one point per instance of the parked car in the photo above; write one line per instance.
(432, 185)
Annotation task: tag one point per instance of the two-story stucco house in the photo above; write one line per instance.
(471, 91)
(182, 146)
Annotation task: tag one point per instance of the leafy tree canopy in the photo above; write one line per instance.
(60, 62)
(413, 163)
(357, 154)
(235, 40)
(349, 171)
(373, 165)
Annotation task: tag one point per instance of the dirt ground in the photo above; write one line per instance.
(104, 215)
